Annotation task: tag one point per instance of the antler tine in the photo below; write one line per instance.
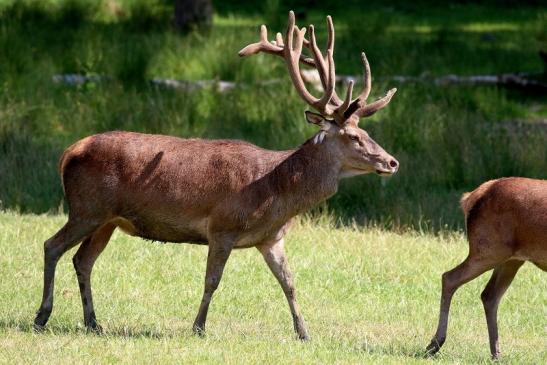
(330, 34)
(330, 91)
(261, 46)
(263, 34)
(330, 48)
(300, 33)
(370, 109)
(358, 106)
(279, 39)
(265, 46)
(288, 52)
(366, 78)
(347, 100)
(320, 61)
(318, 56)
(292, 54)
(359, 102)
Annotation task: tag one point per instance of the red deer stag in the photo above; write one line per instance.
(506, 223)
(224, 193)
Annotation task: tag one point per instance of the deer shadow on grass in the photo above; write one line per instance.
(399, 350)
(26, 326)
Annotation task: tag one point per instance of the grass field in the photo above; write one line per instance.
(369, 285)
(369, 296)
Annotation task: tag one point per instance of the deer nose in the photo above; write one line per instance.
(394, 164)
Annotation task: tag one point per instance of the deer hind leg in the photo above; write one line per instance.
(470, 268)
(219, 251)
(497, 285)
(83, 261)
(72, 233)
(274, 255)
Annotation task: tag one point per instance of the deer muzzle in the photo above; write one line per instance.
(387, 167)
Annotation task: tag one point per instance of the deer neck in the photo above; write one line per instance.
(306, 177)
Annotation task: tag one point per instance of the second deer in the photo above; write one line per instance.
(506, 223)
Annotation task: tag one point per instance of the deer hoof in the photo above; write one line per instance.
(94, 328)
(38, 328)
(41, 319)
(199, 330)
(433, 347)
(304, 337)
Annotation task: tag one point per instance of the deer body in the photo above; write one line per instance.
(177, 190)
(226, 194)
(506, 223)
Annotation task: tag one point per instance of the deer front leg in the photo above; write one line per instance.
(219, 251)
(274, 254)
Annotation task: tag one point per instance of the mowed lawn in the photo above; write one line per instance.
(369, 296)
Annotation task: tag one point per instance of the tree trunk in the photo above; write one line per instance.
(193, 13)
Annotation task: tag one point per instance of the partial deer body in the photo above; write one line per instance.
(222, 193)
(506, 226)
(178, 190)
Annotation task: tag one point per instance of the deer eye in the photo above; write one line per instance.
(353, 137)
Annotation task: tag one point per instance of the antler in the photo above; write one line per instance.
(273, 47)
(292, 53)
(330, 104)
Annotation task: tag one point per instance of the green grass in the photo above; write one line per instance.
(368, 296)
(448, 139)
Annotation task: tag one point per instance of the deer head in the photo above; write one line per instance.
(337, 118)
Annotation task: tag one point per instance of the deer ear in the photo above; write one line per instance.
(315, 118)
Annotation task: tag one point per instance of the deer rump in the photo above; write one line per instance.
(513, 212)
(162, 188)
